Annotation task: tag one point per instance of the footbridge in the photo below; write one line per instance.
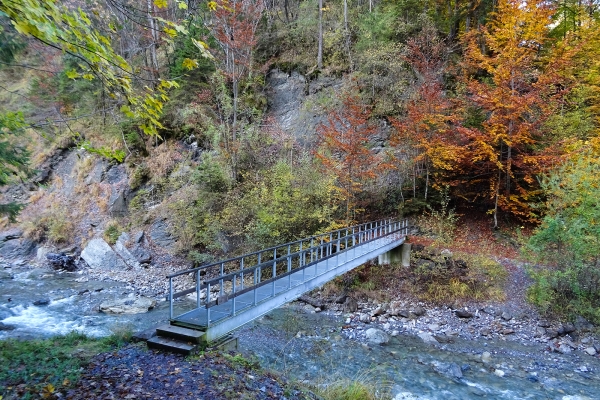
(223, 296)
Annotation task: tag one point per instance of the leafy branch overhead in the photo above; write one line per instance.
(72, 32)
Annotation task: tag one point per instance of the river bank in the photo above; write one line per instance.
(408, 348)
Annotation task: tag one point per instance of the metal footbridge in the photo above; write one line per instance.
(223, 296)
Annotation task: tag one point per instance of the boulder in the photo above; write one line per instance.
(60, 261)
(450, 370)
(506, 316)
(377, 336)
(10, 234)
(16, 248)
(98, 254)
(127, 305)
(121, 249)
(350, 305)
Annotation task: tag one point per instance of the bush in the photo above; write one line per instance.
(568, 239)
(112, 233)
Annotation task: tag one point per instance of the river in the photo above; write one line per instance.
(312, 347)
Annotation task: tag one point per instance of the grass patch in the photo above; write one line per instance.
(363, 386)
(37, 368)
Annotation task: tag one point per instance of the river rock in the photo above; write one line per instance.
(98, 254)
(61, 261)
(364, 318)
(591, 351)
(377, 336)
(418, 311)
(551, 333)
(564, 349)
(350, 305)
(377, 312)
(566, 329)
(128, 305)
(41, 302)
(506, 316)
(499, 372)
(6, 327)
(451, 370)
(427, 338)
(463, 314)
(486, 357)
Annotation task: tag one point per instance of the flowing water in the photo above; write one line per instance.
(311, 347)
(71, 305)
(411, 369)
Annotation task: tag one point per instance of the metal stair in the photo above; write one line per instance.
(176, 339)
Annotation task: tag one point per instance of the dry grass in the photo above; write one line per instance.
(163, 159)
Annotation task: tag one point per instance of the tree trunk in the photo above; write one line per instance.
(320, 51)
(154, 36)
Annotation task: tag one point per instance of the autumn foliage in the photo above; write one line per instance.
(345, 151)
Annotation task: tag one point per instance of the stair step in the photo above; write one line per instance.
(174, 346)
(180, 333)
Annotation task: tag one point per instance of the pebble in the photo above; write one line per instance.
(499, 373)
(591, 351)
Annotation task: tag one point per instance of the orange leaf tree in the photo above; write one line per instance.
(429, 121)
(507, 84)
(345, 150)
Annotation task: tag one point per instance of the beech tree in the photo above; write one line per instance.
(345, 152)
(428, 123)
(506, 152)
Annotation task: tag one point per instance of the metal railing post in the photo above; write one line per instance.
(170, 298)
(242, 272)
(207, 301)
(233, 300)
(198, 289)
(255, 283)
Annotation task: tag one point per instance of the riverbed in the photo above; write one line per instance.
(312, 347)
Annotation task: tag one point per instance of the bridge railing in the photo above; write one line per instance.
(225, 280)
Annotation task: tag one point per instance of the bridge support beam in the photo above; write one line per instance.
(397, 255)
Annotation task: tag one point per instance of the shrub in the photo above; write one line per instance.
(568, 239)
(112, 233)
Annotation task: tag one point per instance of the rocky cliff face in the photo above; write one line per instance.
(299, 105)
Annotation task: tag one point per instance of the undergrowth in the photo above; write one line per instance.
(31, 369)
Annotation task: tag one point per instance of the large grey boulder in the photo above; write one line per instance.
(128, 305)
(16, 248)
(98, 254)
(377, 336)
(121, 249)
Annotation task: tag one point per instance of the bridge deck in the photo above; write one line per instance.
(302, 281)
